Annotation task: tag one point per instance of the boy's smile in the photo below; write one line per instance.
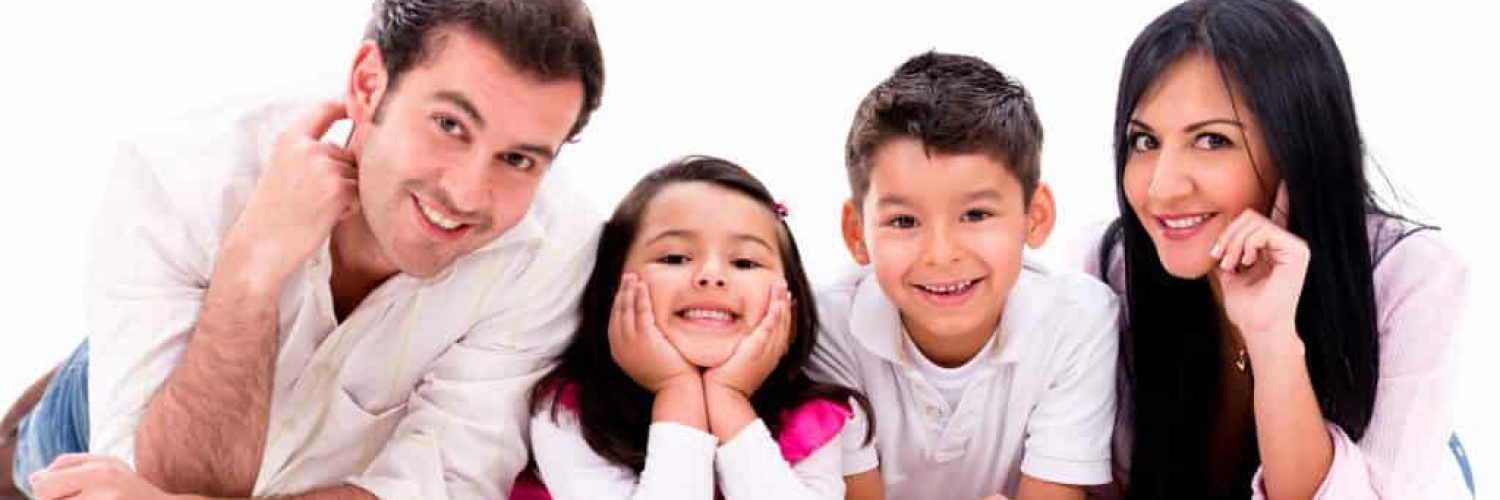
(945, 234)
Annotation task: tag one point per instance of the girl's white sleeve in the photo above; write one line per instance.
(679, 463)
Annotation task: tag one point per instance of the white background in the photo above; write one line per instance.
(770, 84)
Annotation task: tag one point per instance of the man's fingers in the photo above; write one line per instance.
(319, 119)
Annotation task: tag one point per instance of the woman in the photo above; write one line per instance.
(1284, 336)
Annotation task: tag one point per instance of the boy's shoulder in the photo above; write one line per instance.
(1062, 288)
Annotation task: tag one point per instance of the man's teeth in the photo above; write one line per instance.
(948, 289)
(437, 219)
(1186, 222)
(708, 314)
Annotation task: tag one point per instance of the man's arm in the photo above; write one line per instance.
(205, 429)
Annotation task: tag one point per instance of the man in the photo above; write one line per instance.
(272, 314)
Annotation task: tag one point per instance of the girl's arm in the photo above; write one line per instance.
(679, 463)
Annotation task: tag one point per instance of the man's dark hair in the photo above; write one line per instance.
(953, 104)
(551, 39)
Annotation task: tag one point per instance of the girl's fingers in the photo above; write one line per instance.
(617, 309)
(645, 320)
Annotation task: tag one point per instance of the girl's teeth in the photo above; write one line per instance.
(437, 219)
(706, 314)
(1186, 222)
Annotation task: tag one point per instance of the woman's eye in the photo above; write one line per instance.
(1212, 141)
(672, 259)
(1141, 142)
(902, 222)
(975, 215)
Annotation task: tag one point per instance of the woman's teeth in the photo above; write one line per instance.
(948, 289)
(437, 219)
(1186, 222)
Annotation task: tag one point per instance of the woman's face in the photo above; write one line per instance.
(1197, 160)
(709, 257)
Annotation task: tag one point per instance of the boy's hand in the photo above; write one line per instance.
(637, 343)
(756, 355)
(306, 188)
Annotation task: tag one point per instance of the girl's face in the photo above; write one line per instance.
(1190, 171)
(709, 256)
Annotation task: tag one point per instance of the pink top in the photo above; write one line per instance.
(1420, 289)
(804, 429)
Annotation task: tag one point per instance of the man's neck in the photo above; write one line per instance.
(359, 265)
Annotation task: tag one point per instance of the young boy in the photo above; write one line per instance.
(988, 374)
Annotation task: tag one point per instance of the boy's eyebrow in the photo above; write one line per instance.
(983, 194)
(892, 199)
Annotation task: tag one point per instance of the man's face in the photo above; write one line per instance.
(450, 158)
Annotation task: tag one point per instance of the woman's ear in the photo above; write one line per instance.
(854, 233)
(1041, 215)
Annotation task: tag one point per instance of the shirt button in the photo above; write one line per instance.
(934, 412)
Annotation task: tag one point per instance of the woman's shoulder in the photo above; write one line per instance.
(1415, 270)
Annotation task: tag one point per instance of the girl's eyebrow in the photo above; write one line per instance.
(672, 233)
(753, 239)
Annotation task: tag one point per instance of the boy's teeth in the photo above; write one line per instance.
(437, 219)
(948, 289)
(706, 314)
(1186, 222)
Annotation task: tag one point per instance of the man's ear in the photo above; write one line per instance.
(854, 233)
(1041, 215)
(368, 83)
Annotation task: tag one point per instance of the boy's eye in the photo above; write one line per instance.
(902, 222)
(745, 264)
(1212, 141)
(975, 215)
(672, 259)
(1141, 142)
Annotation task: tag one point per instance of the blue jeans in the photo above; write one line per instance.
(60, 422)
(1463, 462)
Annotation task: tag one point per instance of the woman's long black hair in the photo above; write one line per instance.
(1284, 66)
(613, 411)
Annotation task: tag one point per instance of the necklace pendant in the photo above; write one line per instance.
(1241, 360)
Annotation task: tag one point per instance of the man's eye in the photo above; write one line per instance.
(449, 125)
(518, 161)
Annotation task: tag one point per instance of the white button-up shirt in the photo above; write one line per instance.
(1041, 400)
(419, 393)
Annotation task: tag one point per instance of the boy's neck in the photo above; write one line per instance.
(947, 349)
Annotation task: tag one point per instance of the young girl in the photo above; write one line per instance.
(685, 374)
(1285, 337)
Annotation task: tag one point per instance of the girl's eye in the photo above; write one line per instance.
(518, 161)
(1141, 142)
(449, 125)
(902, 222)
(672, 259)
(975, 215)
(1212, 141)
(745, 264)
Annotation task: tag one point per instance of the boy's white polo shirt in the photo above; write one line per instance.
(1042, 399)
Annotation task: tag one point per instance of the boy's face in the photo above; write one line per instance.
(450, 158)
(945, 234)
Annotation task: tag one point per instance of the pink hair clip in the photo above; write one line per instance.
(781, 209)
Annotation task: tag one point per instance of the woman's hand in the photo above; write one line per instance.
(1261, 270)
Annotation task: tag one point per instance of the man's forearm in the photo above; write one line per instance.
(205, 430)
(341, 492)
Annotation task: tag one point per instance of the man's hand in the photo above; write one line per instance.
(82, 476)
(306, 188)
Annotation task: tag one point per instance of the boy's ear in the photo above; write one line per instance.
(854, 233)
(1041, 216)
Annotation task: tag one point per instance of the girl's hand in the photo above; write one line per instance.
(92, 476)
(637, 343)
(756, 355)
(1261, 270)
